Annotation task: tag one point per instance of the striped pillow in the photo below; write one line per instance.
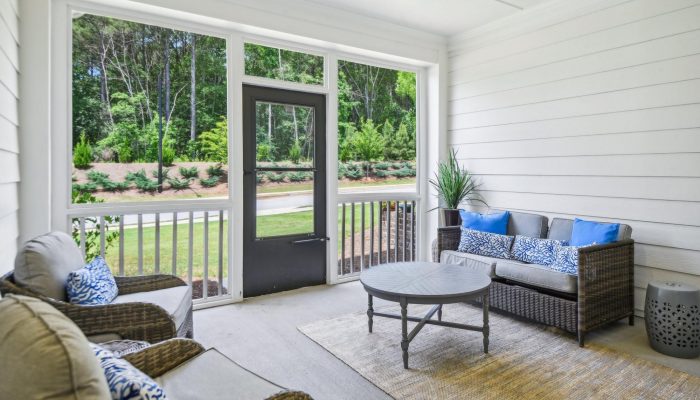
(93, 284)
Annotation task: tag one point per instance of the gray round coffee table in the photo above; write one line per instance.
(425, 283)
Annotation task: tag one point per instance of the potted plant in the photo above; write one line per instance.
(454, 185)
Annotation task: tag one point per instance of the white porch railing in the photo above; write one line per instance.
(373, 232)
(190, 244)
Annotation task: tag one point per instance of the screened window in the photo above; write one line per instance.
(286, 65)
(149, 112)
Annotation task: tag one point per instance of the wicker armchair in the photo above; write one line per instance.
(605, 289)
(158, 359)
(136, 321)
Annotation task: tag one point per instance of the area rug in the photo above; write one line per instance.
(525, 361)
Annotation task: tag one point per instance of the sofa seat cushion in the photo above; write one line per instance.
(473, 262)
(211, 375)
(44, 355)
(537, 275)
(176, 301)
(43, 264)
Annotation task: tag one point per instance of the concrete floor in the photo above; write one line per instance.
(261, 334)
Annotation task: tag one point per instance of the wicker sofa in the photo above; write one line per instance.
(603, 291)
(151, 308)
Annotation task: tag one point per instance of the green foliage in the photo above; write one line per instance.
(189, 173)
(454, 184)
(82, 153)
(146, 185)
(168, 155)
(136, 176)
(382, 166)
(214, 143)
(85, 187)
(179, 184)
(404, 172)
(92, 236)
(112, 186)
(406, 85)
(97, 177)
(401, 145)
(295, 152)
(354, 174)
(368, 144)
(264, 152)
(210, 182)
(166, 173)
(298, 176)
(216, 170)
(269, 62)
(274, 176)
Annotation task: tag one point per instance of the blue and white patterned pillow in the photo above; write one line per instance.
(534, 250)
(126, 381)
(565, 259)
(93, 284)
(485, 243)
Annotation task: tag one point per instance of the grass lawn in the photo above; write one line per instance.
(270, 225)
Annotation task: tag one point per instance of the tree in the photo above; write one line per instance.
(214, 143)
(368, 144)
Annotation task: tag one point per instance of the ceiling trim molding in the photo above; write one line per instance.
(528, 20)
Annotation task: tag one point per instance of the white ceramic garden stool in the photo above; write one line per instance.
(672, 318)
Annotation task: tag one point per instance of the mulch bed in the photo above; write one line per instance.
(212, 289)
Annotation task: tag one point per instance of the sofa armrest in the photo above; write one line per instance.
(160, 358)
(605, 284)
(146, 283)
(448, 238)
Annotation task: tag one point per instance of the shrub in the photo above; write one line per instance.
(166, 173)
(368, 144)
(214, 180)
(264, 152)
(404, 172)
(112, 186)
(179, 184)
(297, 176)
(383, 173)
(382, 166)
(274, 176)
(295, 152)
(92, 236)
(82, 153)
(168, 156)
(397, 165)
(189, 173)
(97, 177)
(216, 170)
(136, 176)
(84, 188)
(354, 174)
(146, 185)
(342, 170)
(214, 143)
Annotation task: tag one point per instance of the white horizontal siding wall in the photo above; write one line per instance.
(9, 133)
(591, 112)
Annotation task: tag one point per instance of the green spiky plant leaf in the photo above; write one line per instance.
(455, 184)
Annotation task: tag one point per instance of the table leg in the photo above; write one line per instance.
(440, 313)
(370, 312)
(485, 306)
(404, 331)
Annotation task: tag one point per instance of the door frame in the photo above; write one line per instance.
(251, 95)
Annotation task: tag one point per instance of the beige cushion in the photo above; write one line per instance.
(211, 375)
(472, 262)
(43, 264)
(44, 355)
(177, 301)
(537, 275)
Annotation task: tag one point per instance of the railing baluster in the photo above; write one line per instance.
(157, 245)
(205, 280)
(342, 242)
(220, 274)
(174, 267)
(388, 231)
(396, 233)
(362, 236)
(102, 236)
(190, 248)
(413, 229)
(140, 243)
(81, 222)
(379, 236)
(352, 237)
(404, 240)
(121, 245)
(371, 232)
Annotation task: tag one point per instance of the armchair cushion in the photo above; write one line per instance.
(93, 284)
(211, 375)
(44, 355)
(43, 264)
(176, 301)
(124, 380)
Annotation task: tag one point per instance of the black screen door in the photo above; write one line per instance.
(284, 223)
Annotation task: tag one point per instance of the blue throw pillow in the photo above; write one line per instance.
(93, 284)
(565, 259)
(485, 243)
(126, 381)
(493, 223)
(534, 250)
(588, 232)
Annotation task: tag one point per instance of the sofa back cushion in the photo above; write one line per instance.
(44, 355)
(561, 229)
(43, 264)
(527, 224)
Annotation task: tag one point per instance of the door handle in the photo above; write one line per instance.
(316, 239)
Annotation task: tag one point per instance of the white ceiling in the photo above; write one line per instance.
(442, 17)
